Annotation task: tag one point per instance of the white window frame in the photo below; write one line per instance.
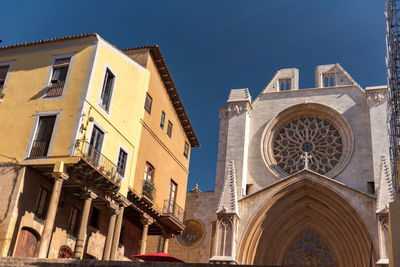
(121, 146)
(56, 113)
(50, 74)
(95, 123)
(329, 75)
(9, 64)
(107, 112)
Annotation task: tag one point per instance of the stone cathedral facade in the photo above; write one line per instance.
(302, 177)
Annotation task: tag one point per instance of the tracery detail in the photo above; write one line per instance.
(315, 137)
(309, 250)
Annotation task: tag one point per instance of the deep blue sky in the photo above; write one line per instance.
(211, 46)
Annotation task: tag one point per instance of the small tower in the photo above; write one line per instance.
(227, 221)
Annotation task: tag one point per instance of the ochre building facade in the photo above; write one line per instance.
(81, 135)
(302, 179)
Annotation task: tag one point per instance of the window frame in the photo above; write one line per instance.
(34, 130)
(287, 84)
(70, 217)
(146, 172)
(50, 74)
(186, 150)
(98, 215)
(122, 148)
(148, 109)
(108, 70)
(162, 121)
(39, 200)
(169, 129)
(329, 76)
(3, 64)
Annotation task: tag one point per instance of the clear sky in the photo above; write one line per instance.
(212, 46)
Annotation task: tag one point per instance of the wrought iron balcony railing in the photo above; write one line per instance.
(39, 149)
(171, 208)
(97, 160)
(55, 89)
(148, 189)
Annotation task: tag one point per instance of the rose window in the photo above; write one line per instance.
(310, 142)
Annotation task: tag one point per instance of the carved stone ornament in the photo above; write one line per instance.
(377, 95)
(238, 107)
(307, 134)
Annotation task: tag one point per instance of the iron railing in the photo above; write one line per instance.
(97, 160)
(148, 189)
(55, 89)
(39, 149)
(171, 208)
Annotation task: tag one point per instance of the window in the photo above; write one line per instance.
(121, 165)
(284, 85)
(149, 172)
(94, 218)
(148, 183)
(73, 218)
(107, 90)
(58, 77)
(44, 131)
(328, 79)
(162, 119)
(173, 187)
(186, 150)
(96, 142)
(41, 205)
(169, 129)
(371, 187)
(148, 103)
(3, 74)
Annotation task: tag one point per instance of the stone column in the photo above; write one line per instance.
(166, 237)
(113, 209)
(146, 221)
(89, 196)
(59, 177)
(117, 233)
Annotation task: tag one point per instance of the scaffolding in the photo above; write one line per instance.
(392, 13)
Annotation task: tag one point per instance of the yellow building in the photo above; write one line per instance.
(87, 170)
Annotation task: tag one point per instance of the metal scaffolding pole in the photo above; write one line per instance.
(392, 13)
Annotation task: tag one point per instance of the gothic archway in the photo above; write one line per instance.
(306, 205)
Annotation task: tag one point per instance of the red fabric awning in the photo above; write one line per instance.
(158, 257)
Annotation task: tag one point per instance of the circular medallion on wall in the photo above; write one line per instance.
(309, 136)
(192, 234)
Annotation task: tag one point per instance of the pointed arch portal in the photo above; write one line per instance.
(285, 230)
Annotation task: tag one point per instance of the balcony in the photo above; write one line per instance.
(55, 89)
(148, 189)
(172, 216)
(94, 168)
